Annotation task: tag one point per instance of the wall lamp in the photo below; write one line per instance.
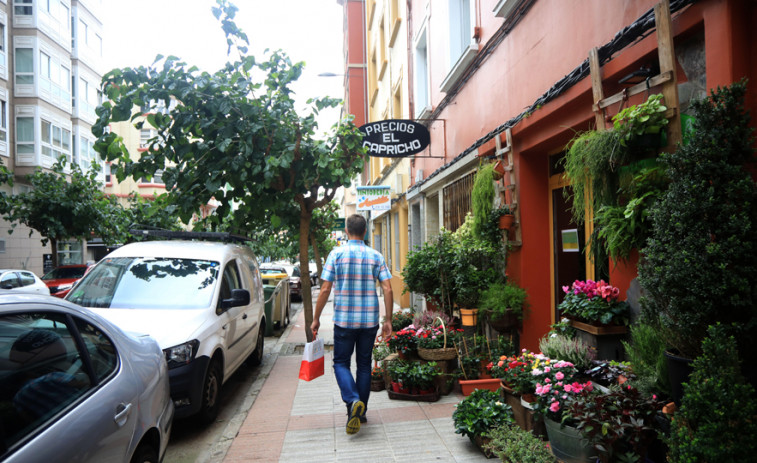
(637, 77)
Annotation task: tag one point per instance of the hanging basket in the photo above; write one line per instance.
(506, 222)
(442, 353)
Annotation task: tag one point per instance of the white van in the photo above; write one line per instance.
(202, 301)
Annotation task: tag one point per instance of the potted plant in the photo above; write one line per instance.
(402, 319)
(513, 444)
(377, 378)
(718, 409)
(479, 413)
(641, 126)
(429, 270)
(502, 305)
(413, 380)
(503, 216)
(573, 350)
(599, 317)
(701, 262)
(436, 343)
(403, 342)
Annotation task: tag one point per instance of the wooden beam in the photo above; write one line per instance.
(596, 87)
(635, 90)
(666, 55)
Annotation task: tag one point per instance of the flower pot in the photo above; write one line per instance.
(480, 442)
(567, 443)
(499, 170)
(679, 369)
(469, 385)
(377, 385)
(607, 340)
(506, 222)
(469, 317)
(506, 322)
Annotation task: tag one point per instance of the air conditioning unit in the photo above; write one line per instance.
(418, 175)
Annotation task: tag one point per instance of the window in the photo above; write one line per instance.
(101, 350)
(98, 44)
(87, 154)
(83, 32)
(457, 201)
(88, 97)
(144, 137)
(229, 282)
(397, 241)
(3, 121)
(422, 98)
(55, 141)
(24, 66)
(108, 173)
(156, 179)
(462, 45)
(3, 57)
(26, 278)
(9, 281)
(22, 7)
(44, 373)
(25, 135)
(69, 253)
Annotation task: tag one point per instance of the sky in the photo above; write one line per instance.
(135, 31)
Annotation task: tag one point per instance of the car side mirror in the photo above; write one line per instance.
(238, 297)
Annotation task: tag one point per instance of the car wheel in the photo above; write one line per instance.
(145, 454)
(286, 317)
(256, 357)
(211, 392)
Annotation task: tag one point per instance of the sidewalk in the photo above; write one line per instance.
(294, 421)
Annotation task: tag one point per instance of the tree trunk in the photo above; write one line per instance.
(54, 250)
(307, 297)
(316, 254)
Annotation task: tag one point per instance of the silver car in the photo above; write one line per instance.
(74, 387)
(22, 281)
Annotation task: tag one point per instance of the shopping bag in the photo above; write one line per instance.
(311, 366)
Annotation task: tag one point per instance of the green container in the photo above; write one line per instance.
(268, 291)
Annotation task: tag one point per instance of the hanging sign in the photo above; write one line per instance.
(395, 138)
(374, 198)
(570, 240)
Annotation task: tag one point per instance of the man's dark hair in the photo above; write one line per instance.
(356, 225)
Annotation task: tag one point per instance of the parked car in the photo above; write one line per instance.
(22, 281)
(74, 387)
(61, 279)
(202, 301)
(295, 283)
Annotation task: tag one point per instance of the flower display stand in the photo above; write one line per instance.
(607, 340)
(396, 393)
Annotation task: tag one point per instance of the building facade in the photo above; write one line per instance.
(50, 72)
(514, 80)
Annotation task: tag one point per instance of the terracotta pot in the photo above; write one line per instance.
(469, 385)
(506, 222)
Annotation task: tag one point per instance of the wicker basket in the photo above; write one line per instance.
(443, 353)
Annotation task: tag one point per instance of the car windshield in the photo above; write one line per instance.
(148, 283)
(65, 272)
(269, 271)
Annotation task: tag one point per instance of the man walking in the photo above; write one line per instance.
(352, 270)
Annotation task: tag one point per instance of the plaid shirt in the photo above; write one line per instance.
(353, 269)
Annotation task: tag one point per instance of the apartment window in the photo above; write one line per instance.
(397, 241)
(88, 97)
(3, 121)
(24, 66)
(3, 57)
(422, 98)
(83, 32)
(55, 140)
(108, 173)
(462, 46)
(144, 137)
(23, 7)
(25, 135)
(87, 154)
(99, 44)
(157, 178)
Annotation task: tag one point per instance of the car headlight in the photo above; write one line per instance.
(182, 354)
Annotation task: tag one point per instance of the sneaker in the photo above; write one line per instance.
(363, 418)
(357, 409)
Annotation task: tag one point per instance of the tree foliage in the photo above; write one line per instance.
(233, 136)
(62, 208)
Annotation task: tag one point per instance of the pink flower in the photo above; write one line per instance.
(547, 369)
(547, 380)
(568, 388)
(654, 396)
(566, 289)
(555, 406)
(559, 376)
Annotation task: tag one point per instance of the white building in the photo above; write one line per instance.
(51, 58)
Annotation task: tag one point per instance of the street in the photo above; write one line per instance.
(191, 442)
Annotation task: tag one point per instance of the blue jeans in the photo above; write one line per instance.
(361, 341)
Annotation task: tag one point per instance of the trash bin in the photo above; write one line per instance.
(270, 303)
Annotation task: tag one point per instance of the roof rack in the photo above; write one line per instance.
(187, 235)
